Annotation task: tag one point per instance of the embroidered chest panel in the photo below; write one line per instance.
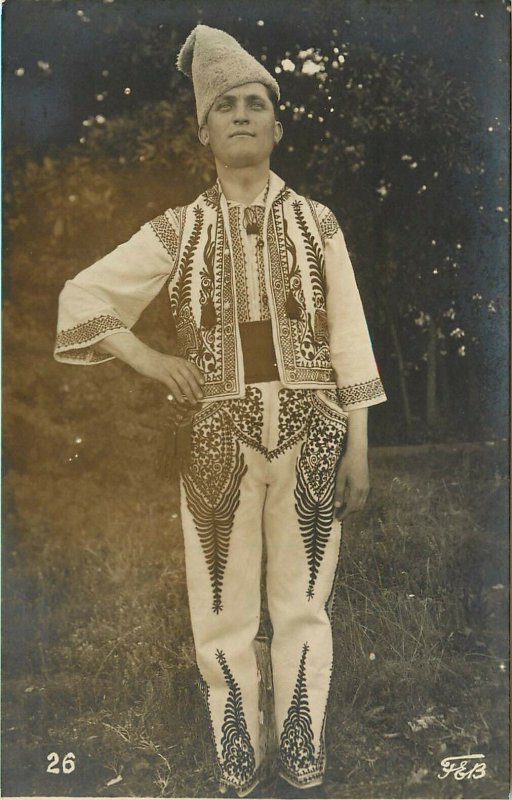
(203, 302)
(297, 275)
(208, 293)
(248, 258)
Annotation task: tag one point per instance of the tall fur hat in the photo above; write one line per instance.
(216, 63)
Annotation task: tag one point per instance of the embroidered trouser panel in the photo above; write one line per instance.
(264, 465)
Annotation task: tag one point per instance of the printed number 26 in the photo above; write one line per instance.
(68, 763)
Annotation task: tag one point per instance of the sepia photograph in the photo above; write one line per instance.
(256, 361)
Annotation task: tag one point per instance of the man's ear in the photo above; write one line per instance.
(202, 135)
(278, 132)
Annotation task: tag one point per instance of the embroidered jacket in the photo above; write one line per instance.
(320, 334)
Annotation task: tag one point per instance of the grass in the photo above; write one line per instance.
(99, 660)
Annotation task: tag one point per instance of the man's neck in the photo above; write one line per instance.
(245, 184)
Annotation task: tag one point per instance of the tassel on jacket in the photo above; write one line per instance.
(251, 220)
(293, 310)
(208, 315)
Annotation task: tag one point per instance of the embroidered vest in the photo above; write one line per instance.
(203, 297)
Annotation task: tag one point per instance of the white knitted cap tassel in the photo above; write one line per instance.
(216, 63)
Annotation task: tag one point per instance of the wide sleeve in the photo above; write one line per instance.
(111, 294)
(357, 375)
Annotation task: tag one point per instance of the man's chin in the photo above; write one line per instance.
(243, 160)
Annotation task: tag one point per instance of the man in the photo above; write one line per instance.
(273, 376)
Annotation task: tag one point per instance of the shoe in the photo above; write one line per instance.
(285, 790)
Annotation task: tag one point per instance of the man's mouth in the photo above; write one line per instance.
(241, 133)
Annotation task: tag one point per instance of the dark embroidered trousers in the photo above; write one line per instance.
(264, 466)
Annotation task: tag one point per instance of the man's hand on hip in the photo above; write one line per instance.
(181, 377)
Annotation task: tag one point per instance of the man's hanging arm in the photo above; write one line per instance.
(352, 479)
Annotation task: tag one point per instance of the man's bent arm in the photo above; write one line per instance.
(110, 295)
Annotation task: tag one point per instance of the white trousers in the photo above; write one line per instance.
(264, 466)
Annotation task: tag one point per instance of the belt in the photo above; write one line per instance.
(260, 362)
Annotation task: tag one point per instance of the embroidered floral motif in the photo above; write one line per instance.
(316, 477)
(181, 293)
(238, 759)
(314, 256)
(212, 487)
(296, 746)
(361, 391)
(294, 411)
(294, 279)
(246, 417)
(315, 520)
(86, 332)
(188, 339)
(283, 195)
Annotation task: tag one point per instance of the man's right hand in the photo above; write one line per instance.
(181, 377)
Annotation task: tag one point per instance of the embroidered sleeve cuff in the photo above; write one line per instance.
(361, 395)
(76, 345)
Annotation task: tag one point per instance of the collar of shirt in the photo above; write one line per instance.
(258, 201)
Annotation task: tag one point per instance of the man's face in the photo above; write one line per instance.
(241, 128)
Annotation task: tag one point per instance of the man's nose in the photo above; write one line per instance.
(241, 114)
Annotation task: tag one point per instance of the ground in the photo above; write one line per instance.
(99, 661)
